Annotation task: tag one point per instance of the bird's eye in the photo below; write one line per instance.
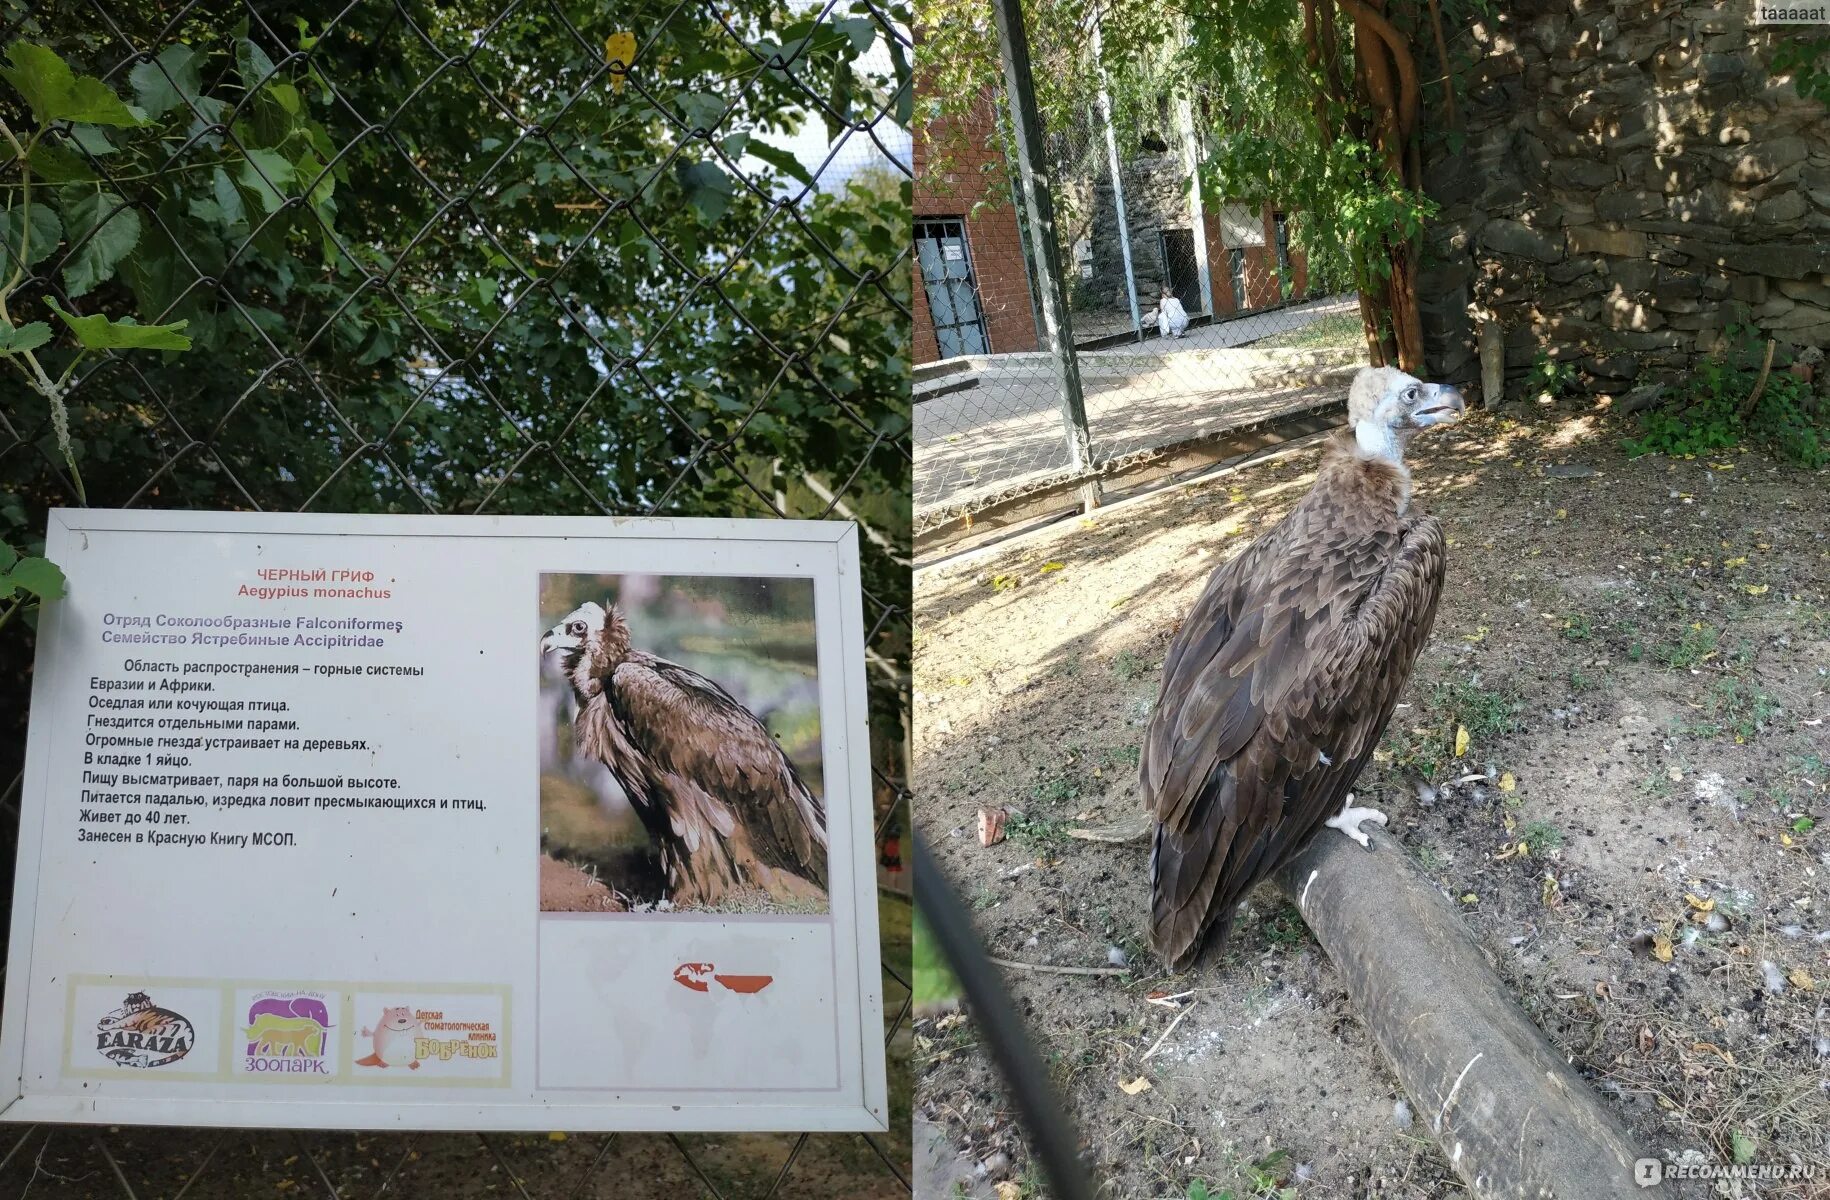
(1412, 393)
(576, 628)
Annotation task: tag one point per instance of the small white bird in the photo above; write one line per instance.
(1171, 317)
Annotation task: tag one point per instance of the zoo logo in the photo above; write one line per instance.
(141, 1034)
(286, 1034)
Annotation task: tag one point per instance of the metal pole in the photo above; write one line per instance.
(1023, 237)
(1191, 146)
(1118, 187)
(1032, 168)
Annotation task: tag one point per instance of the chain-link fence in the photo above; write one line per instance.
(463, 257)
(1185, 314)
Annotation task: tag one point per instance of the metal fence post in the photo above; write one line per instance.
(1032, 167)
(1118, 186)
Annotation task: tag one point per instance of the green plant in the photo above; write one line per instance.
(1549, 376)
(1541, 835)
(59, 201)
(1425, 745)
(1696, 644)
(1744, 710)
(1579, 627)
(1128, 666)
(1807, 61)
(1721, 408)
(1038, 833)
(25, 580)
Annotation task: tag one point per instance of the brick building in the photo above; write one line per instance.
(968, 246)
(973, 285)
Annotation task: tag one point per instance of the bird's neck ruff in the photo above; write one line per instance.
(1368, 467)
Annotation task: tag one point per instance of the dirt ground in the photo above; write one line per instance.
(1639, 652)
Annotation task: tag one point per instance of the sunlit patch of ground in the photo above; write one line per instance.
(1639, 651)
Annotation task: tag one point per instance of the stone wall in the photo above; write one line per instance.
(1627, 177)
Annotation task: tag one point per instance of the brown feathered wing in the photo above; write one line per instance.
(1275, 691)
(720, 772)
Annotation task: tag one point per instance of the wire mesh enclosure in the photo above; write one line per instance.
(1187, 313)
(503, 256)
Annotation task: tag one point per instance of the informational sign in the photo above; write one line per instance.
(427, 822)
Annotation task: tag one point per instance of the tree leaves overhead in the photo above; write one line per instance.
(503, 284)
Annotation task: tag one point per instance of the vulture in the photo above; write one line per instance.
(1281, 680)
(724, 807)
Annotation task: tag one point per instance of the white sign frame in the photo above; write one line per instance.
(824, 551)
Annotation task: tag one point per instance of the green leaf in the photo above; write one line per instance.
(782, 161)
(265, 173)
(707, 187)
(55, 93)
(35, 244)
(100, 333)
(102, 230)
(25, 337)
(167, 82)
(54, 162)
(8, 556)
(861, 30)
(1742, 1146)
(39, 576)
(256, 67)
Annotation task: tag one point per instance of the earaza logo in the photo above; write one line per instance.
(141, 1034)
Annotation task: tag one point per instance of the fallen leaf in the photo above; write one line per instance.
(1010, 1190)
(1756, 589)
(1661, 947)
(1470, 898)
(1712, 1048)
(1735, 562)
(1508, 782)
(1699, 904)
(1051, 566)
(1461, 740)
(1801, 979)
(1647, 1040)
(1136, 1086)
(557, 1135)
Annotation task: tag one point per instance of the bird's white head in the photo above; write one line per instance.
(1387, 408)
(588, 645)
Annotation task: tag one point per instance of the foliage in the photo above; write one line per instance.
(1788, 418)
(1549, 376)
(427, 257)
(25, 579)
(1807, 61)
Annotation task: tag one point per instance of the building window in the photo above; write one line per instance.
(952, 291)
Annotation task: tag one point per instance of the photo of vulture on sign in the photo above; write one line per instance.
(454, 823)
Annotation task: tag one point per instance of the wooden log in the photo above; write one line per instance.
(1512, 1117)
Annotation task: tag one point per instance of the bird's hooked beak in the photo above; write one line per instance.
(1440, 404)
(558, 641)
